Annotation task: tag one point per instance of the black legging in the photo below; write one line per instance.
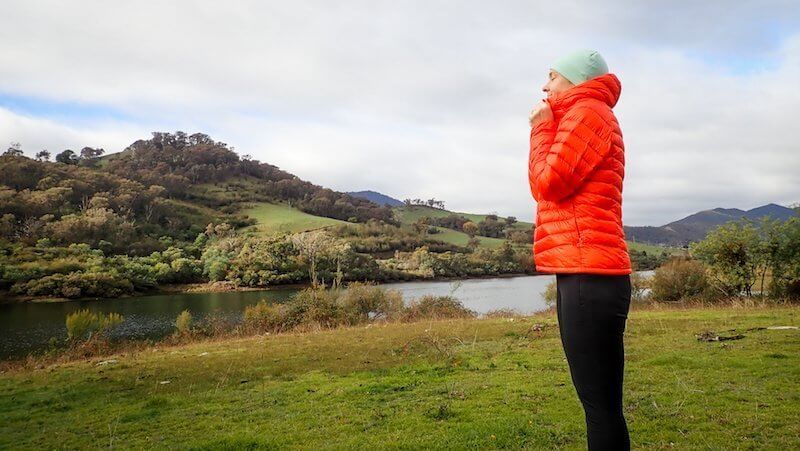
(592, 311)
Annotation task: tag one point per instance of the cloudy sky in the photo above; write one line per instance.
(419, 98)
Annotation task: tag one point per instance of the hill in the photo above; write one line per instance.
(695, 226)
(283, 218)
(410, 214)
(378, 198)
(169, 209)
(179, 209)
(183, 163)
(169, 186)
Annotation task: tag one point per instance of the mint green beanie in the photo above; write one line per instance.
(580, 65)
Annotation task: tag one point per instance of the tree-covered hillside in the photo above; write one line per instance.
(178, 208)
(185, 165)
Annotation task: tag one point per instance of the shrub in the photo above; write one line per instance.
(550, 293)
(76, 284)
(86, 324)
(365, 301)
(436, 307)
(215, 324)
(184, 322)
(264, 316)
(314, 305)
(503, 313)
(639, 284)
(679, 279)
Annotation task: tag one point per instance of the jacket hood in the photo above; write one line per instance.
(605, 88)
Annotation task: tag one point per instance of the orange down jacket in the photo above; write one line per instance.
(576, 167)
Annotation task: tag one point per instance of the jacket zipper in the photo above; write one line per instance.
(578, 231)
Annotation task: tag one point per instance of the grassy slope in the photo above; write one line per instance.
(461, 239)
(410, 215)
(196, 213)
(653, 249)
(488, 386)
(281, 217)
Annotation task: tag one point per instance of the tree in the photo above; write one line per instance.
(67, 157)
(421, 225)
(738, 253)
(43, 155)
(783, 247)
(312, 245)
(511, 220)
(15, 149)
(90, 153)
(491, 227)
(470, 228)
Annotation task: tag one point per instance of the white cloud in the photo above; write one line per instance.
(37, 134)
(423, 99)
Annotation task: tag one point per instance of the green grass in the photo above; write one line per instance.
(434, 384)
(195, 213)
(283, 218)
(408, 215)
(653, 249)
(461, 238)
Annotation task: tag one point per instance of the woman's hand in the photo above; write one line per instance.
(542, 112)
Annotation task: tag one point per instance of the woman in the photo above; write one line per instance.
(575, 168)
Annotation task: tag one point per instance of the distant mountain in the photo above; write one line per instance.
(378, 198)
(695, 227)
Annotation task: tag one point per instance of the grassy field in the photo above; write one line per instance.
(408, 215)
(485, 384)
(652, 249)
(461, 239)
(283, 218)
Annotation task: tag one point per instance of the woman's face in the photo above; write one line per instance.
(556, 83)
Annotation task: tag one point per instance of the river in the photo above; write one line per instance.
(29, 326)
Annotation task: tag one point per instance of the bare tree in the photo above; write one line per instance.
(43, 155)
(312, 245)
(15, 149)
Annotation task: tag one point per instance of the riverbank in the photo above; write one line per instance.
(204, 287)
(472, 383)
(226, 287)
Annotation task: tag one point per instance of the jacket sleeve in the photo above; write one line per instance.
(563, 155)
